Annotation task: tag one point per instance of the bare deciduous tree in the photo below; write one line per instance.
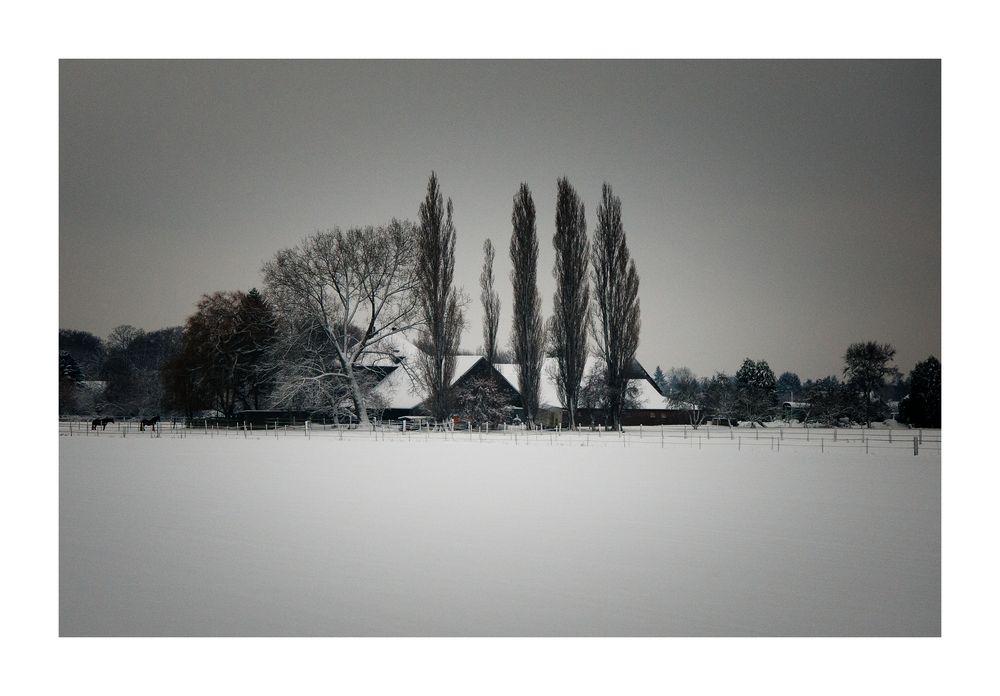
(687, 392)
(307, 372)
(616, 288)
(721, 397)
(528, 336)
(440, 302)
(491, 303)
(571, 302)
(594, 395)
(341, 295)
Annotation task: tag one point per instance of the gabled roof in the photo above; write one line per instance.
(649, 396)
(400, 389)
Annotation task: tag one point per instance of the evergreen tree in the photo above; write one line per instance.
(481, 401)
(260, 328)
(616, 289)
(755, 383)
(69, 370)
(70, 377)
(787, 386)
(922, 406)
(85, 348)
(571, 303)
(660, 379)
(528, 335)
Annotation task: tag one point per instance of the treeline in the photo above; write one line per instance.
(869, 389)
(331, 306)
(120, 374)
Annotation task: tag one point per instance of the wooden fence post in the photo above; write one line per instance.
(915, 448)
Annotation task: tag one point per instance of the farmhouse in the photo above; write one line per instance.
(398, 393)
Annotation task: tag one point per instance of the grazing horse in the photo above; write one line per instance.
(103, 422)
(151, 422)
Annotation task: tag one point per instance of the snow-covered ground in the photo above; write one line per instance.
(442, 535)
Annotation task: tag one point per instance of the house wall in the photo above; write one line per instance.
(483, 370)
(652, 416)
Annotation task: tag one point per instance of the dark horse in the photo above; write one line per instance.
(103, 422)
(151, 422)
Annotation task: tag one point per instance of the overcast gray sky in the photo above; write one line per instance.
(777, 210)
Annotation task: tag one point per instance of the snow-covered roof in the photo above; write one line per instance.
(464, 363)
(548, 393)
(648, 396)
(400, 389)
(393, 350)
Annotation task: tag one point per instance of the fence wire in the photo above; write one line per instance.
(774, 437)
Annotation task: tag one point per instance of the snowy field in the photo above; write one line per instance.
(444, 534)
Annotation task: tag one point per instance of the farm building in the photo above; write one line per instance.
(649, 406)
(399, 395)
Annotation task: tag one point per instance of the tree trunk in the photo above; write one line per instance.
(357, 396)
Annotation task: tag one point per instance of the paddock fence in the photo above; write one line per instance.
(774, 437)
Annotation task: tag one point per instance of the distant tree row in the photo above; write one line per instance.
(119, 374)
(868, 386)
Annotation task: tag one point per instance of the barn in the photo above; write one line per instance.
(399, 394)
(649, 406)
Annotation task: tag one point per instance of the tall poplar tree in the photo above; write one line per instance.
(528, 336)
(439, 299)
(571, 302)
(491, 303)
(615, 328)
